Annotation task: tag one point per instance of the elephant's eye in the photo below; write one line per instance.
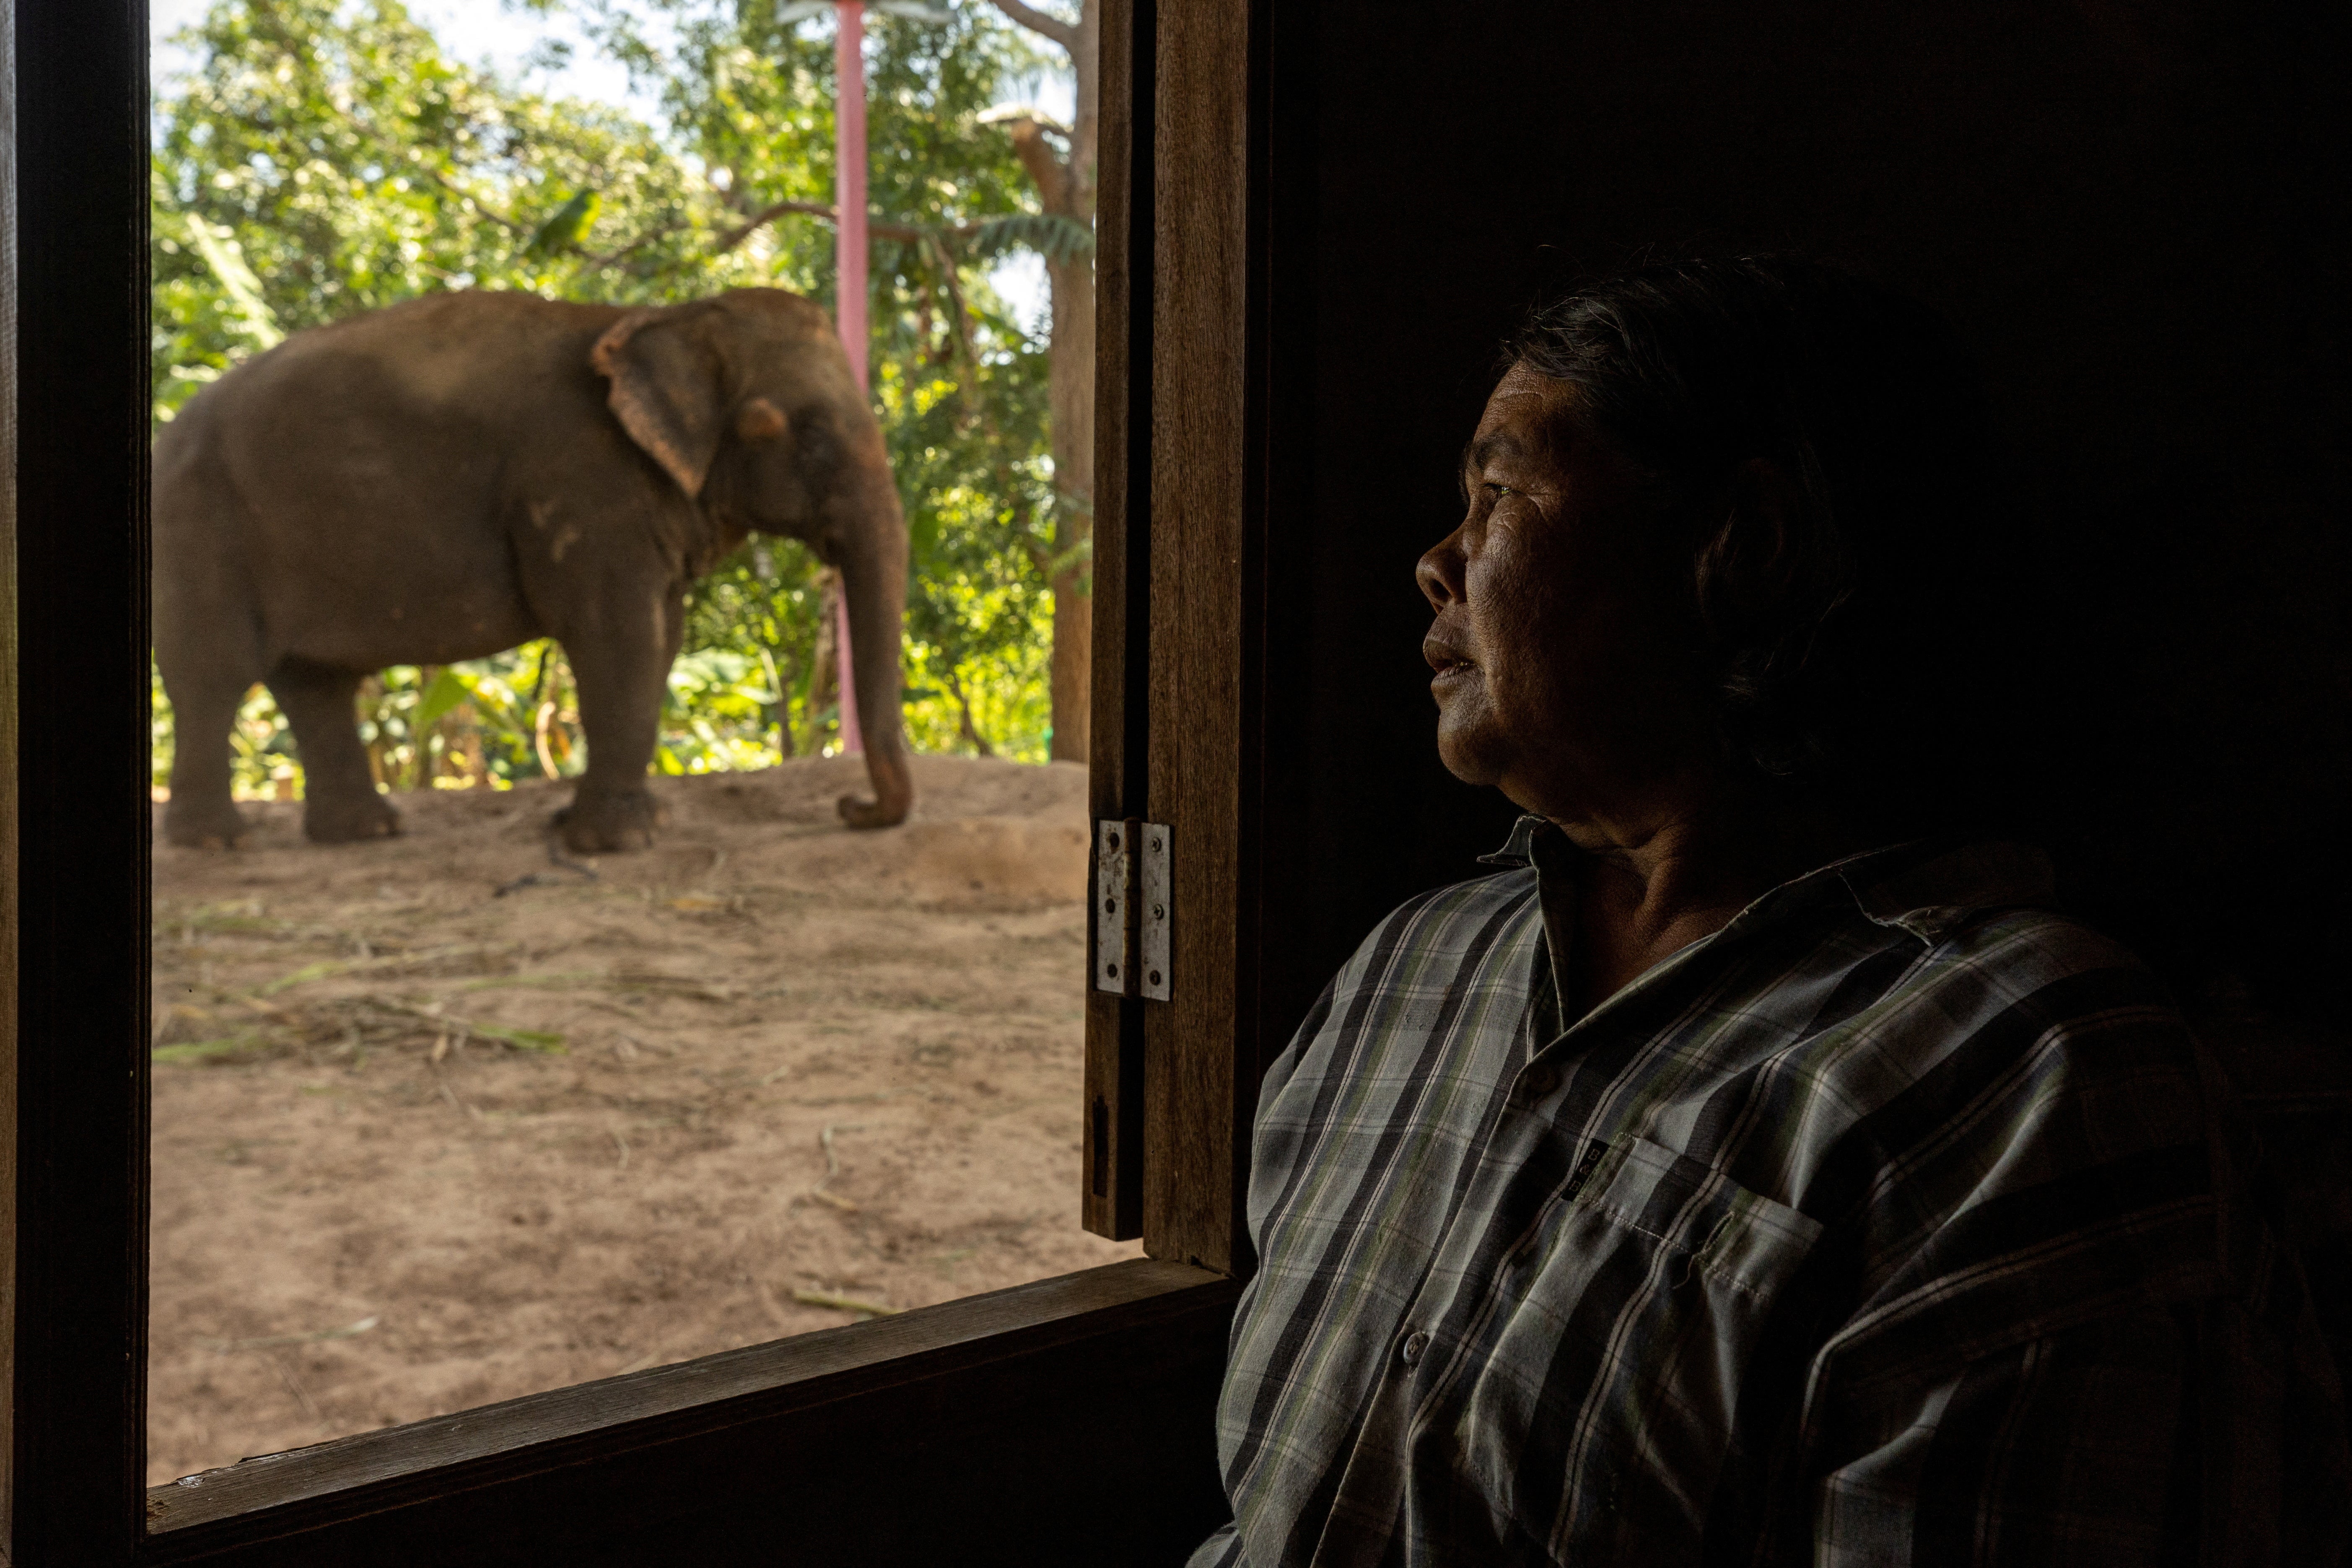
(761, 420)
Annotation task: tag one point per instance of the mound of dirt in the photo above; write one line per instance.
(442, 1120)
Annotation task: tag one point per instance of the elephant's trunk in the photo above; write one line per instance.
(872, 563)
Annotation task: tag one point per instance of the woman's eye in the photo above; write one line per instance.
(1498, 490)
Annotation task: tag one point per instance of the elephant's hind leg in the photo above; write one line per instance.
(339, 799)
(202, 814)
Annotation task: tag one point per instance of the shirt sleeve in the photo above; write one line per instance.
(2079, 1447)
(2083, 1341)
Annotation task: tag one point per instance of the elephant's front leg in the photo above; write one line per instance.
(622, 674)
(203, 812)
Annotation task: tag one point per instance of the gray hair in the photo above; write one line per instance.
(1865, 402)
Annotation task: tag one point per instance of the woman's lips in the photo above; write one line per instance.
(1446, 660)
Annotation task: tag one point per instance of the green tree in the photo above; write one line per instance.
(337, 160)
(1061, 162)
(974, 404)
(326, 158)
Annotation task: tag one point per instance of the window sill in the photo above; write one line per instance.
(777, 1382)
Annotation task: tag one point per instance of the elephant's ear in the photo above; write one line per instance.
(667, 390)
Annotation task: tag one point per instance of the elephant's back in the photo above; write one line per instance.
(454, 356)
(416, 405)
(360, 470)
(496, 323)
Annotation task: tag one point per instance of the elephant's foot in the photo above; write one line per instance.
(608, 824)
(349, 819)
(893, 792)
(216, 824)
(861, 814)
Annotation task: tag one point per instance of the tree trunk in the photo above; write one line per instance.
(424, 766)
(821, 693)
(371, 706)
(1066, 189)
(781, 715)
(1070, 394)
(464, 728)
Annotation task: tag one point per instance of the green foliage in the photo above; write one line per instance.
(475, 723)
(346, 163)
(960, 385)
(745, 682)
(1050, 235)
(328, 157)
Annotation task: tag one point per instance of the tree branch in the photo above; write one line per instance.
(767, 214)
(963, 710)
(911, 233)
(651, 235)
(1063, 33)
(1005, 114)
(446, 183)
(1045, 168)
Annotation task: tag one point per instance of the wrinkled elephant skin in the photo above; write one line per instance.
(451, 477)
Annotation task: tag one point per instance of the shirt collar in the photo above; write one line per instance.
(1930, 888)
(1518, 849)
(1934, 887)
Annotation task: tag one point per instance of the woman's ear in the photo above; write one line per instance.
(1752, 564)
(666, 389)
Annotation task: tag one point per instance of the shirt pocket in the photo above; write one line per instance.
(1602, 1385)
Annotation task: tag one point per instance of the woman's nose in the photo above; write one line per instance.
(1440, 572)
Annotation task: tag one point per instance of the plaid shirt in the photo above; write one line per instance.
(1901, 1221)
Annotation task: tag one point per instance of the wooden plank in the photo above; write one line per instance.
(1111, 1184)
(78, 673)
(1121, 254)
(1204, 625)
(8, 754)
(739, 1409)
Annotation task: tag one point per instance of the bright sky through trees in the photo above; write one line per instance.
(485, 30)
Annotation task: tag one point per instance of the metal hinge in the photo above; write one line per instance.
(1131, 907)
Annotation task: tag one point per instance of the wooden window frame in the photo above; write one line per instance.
(1118, 1363)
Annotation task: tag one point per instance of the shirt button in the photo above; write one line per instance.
(1541, 1080)
(1410, 1352)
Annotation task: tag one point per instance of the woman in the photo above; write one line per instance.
(1761, 1171)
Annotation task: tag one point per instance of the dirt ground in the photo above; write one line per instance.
(420, 1145)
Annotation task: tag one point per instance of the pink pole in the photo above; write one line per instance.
(849, 280)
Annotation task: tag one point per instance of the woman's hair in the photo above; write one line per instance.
(1833, 643)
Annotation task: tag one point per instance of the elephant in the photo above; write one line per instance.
(449, 477)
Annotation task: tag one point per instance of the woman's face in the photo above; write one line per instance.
(1565, 642)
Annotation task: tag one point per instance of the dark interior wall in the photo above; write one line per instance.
(2133, 210)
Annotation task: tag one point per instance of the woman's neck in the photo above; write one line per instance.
(1649, 885)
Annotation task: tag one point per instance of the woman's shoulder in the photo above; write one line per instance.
(2047, 961)
(1446, 927)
